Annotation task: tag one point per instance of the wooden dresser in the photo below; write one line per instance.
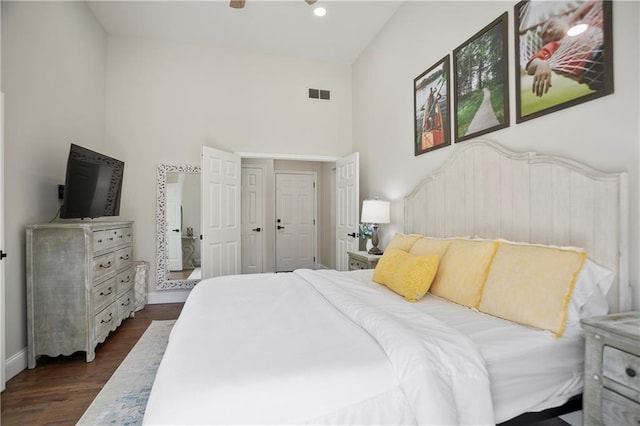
(79, 285)
(612, 370)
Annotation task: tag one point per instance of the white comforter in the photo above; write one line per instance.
(314, 347)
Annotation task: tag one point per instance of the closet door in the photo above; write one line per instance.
(295, 221)
(347, 208)
(252, 220)
(221, 222)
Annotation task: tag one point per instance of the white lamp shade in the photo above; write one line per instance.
(375, 211)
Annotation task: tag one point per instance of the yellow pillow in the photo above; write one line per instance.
(387, 265)
(532, 285)
(430, 246)
(463, 271)
(403, 242)
(408, 275)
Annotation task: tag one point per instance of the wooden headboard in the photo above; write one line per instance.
(488, 191)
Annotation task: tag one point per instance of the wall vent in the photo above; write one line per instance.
(322, 94)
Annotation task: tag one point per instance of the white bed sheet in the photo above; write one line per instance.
(530, 369)
(314, 347)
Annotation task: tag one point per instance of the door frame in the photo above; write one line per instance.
(315, 211)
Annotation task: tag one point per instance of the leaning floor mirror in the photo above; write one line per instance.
(178, 226)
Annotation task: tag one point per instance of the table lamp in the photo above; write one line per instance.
(375, 212)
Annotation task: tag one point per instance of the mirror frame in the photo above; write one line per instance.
(162, 268)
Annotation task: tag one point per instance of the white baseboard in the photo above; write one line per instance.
(167, 296)
(15, 364)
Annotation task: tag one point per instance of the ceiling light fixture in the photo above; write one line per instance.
(319, 11)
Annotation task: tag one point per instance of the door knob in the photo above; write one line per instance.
(256, 229)
(353, 234)
(176, 230)
(280, 227)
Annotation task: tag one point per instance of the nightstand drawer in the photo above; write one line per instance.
(362, 260)
(621, 367)
(357, 264)
(618, 410)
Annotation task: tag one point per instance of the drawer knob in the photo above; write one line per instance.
(630, 372)
(106, 266)
(596, 378)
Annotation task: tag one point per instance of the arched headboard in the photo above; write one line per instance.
(488, 191)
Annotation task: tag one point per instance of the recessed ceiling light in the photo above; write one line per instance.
(319, 11)
(577, 30)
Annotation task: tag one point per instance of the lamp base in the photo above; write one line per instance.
(374, 250)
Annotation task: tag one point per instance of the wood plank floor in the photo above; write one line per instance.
(59, 390)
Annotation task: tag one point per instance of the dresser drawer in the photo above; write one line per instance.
(618, 410)
(621, 367)
(125, 305)
(103, 265)
(125, 236)
(104, 294)
(111, 237)
(105, 322)
(124, 280)
(123, 258)
(99, 240)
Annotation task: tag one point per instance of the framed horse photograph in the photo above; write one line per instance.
(432, 108)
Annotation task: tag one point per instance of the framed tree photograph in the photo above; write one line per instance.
(564, 55)
(431, 107)
(481, 83)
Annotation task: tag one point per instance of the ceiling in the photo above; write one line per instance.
(286, 28)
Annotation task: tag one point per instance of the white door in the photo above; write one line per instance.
(2, 254)
(221, 231)
(174, 226)
(347, 208)
(295, 221)
(252, 220)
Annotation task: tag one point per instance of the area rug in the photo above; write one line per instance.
(123, 398)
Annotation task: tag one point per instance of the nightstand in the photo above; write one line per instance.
(612, 370)
(362, 260)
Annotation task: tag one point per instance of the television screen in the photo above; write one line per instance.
(92, 186)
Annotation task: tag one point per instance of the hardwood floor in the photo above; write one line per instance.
(59, 390)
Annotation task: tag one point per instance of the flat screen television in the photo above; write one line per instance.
(92, 185)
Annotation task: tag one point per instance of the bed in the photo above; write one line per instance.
(347, 348)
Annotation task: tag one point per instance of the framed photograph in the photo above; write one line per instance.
(431, 106)
(564, 55)
(481, 70)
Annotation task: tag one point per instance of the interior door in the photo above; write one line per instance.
(295, 221)
(347, 208)
(174, 226)
(252, 220)
(2, 253)
(221, 230)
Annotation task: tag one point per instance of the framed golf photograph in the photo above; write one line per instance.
(564, 55)
(432, 129)
(481, 84)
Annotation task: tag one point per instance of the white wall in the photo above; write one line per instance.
(53, 76)
(602, 133)
(165, 100)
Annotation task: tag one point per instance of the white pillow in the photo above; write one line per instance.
(589, 297)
